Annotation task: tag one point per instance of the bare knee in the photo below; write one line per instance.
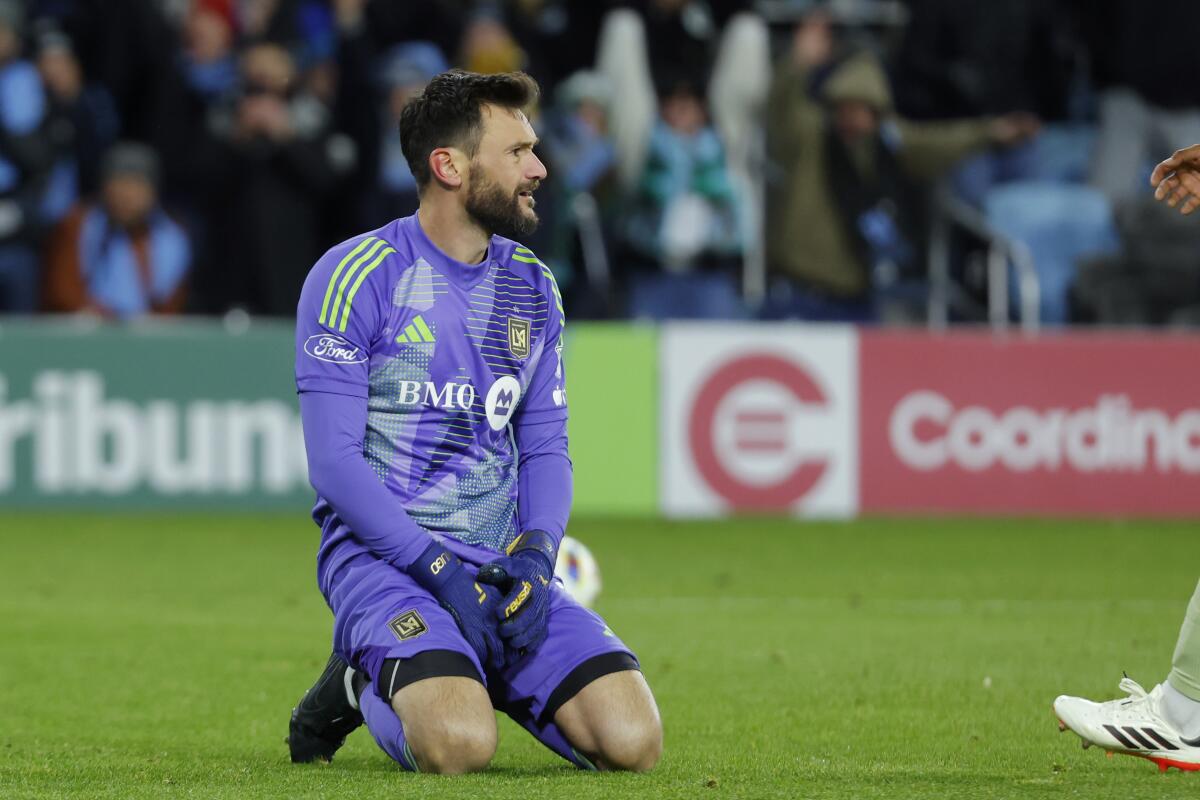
(614, 720)
(455, 748)
(448, 723)
(634, 746)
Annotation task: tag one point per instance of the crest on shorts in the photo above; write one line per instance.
(518, 336)
(408, 625)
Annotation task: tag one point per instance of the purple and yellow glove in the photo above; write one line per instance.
(524, 574)
(473, 607)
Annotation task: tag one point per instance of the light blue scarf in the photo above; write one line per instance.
(110, 266)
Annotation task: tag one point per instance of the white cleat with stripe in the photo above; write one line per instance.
(1131, 725)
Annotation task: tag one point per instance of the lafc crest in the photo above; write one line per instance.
(518, 337)
(408, 625)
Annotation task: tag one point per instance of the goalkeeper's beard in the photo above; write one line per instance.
(499, 212)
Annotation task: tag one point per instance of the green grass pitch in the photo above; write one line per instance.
(158, 656)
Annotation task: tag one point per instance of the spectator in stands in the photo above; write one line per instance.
(307, 26)
(208, 59)
(685, 218)
(847, 201)
(372, 93)
(405, 71)
(128, 46)
(82, 123)
(580, 159)
(576, 132)
(384, 52)
(276, 161)
(27, 156)
(489, 47)
(685, 208)
(203, 74)
(123, 257)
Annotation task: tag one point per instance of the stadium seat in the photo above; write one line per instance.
(1060, 224)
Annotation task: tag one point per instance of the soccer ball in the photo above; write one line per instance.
(578, 570)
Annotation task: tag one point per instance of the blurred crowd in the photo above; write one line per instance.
(708, 158)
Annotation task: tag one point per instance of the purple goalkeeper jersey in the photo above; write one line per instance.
(453, 362)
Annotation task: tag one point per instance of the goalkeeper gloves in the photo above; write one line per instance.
(525, 609)
(443, 575)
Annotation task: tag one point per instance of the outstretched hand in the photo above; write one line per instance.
(1014, 128)
(1176, 180)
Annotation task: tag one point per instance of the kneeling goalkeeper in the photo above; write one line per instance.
(428, 362)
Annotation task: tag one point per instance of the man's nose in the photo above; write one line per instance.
(537, 170)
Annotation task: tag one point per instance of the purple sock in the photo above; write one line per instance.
(385, 726)
(550, 735)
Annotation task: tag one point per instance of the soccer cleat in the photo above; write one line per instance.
(1133, 726)
(323, 718)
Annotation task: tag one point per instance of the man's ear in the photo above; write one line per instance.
(447, 165)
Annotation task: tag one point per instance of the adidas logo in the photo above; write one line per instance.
(416, 332)
(1134, 739)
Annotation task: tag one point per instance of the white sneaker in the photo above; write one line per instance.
(1133, 726)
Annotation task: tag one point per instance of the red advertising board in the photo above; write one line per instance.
(758, 418)
(1072, 424)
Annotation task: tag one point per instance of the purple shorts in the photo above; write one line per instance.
(380, 613)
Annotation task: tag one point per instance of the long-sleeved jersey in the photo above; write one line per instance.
(423, 380)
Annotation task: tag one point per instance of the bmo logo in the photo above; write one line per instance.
(758, 420)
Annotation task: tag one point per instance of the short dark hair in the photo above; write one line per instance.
(448, 112)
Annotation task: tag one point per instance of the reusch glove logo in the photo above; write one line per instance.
(515, 605)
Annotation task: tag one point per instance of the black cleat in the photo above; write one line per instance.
(324, 717)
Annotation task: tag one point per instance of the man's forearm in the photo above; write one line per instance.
(544, 479)
(333, 431)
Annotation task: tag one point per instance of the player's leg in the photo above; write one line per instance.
(442, 724)
(614, 722)
(582, 694)
(1162, 725)
(1182, 695)
(415, 680)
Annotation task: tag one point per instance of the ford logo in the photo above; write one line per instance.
(334, 349)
